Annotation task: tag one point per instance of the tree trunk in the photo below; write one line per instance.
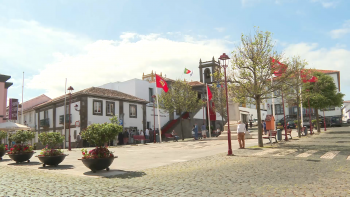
(260, 140)
(317, 121)
(298, 116)
(182, 130)
(222, 126)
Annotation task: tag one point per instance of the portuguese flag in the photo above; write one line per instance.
(188, 71)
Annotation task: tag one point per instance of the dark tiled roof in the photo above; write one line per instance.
(101, 92)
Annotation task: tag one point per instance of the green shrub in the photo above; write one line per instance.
(22, 136)
(99, 134)
(3, 135)
(52, 139)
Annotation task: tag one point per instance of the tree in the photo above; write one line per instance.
(322, 94)
(293, 85)
(219, 97)
(180, 98)
(251, 71)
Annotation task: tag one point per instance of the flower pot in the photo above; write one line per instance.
(98, 164)
(2, 153)
(52, 160)
(21, 157)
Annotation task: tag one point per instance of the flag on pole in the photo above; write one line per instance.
(187, 71)
(160, 83)
(210, 95)
(278, 68)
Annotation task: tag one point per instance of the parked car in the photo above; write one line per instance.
(348, 121)
(336, 121)
(291, 125)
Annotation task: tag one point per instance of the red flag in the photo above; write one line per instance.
(161, 83)
(278, 68)
(210, 96)
(304, 78)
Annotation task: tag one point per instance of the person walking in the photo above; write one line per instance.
(264, 126)
(120, 138)
(241, 132)
(126, 136)
(251, 123)
(142, 134)
(204, 131)
(246, 126)
(195, 131)
(147, 135)
(78, 140)
(176, 138)
(193, 134)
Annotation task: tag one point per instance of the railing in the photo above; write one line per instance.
(45, 122)
(68, 118)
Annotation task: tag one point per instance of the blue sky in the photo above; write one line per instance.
(95, 42)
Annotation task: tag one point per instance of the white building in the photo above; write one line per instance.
(88, 106)
(291, 111)
(346, 111)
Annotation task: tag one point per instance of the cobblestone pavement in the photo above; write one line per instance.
(277, 173)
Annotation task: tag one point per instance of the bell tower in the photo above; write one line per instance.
(206, 69)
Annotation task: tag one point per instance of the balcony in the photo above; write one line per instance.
(68, 118)
(45, 122)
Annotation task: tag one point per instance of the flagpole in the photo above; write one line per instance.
(64, 116)
(208, 110)
(160, 129)
(273, 104)
(22, 117)
(301, 109)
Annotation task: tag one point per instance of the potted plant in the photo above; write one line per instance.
(279, 126)
(21, 152)
(50, 155)
(100, 157)
(3, 147)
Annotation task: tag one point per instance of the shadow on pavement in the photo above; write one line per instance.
(24, 164)
(128, 175)
(59, 167)
(4, 160)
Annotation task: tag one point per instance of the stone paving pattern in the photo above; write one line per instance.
(245, 174)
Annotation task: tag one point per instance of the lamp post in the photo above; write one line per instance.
(154, 119)
(223, 58)
(324, 121)
(70, 89)
(285, 123)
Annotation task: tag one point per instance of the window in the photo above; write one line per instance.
(67, 109)
(150, 92)
(329, 109)
(110, 110)
(25, 118)
(30, 117)
(133, 111)
(97, 107)
(279, 109)
(46, 114)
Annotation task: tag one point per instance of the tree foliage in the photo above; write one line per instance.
(52, 139)
(251, 71)
(180, 98)
(3, 135)
(219, 95)
(22, 136)
(322, 94)
(293, 84)
(99, 134)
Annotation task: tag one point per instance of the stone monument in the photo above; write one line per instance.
(234, 115)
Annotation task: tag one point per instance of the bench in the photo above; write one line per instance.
(169, 136)
(139, 138)
(289, 132)
(273, 135)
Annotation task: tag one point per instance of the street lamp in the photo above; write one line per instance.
(308, 100)
(154, 119)
(70, 89)
(223, 59)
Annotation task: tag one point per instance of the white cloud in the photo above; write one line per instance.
(327, 3)
(220, 29)
(323, 58)
(105, 61)
(338, 33)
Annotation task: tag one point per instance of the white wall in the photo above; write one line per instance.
(100, 118)
(253, 111)
(75, 114)
(133, 122)
(164, 117)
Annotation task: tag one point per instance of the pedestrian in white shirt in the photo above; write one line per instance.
(240, 133)
(141, 133)
(147, 134)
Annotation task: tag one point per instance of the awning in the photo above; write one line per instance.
(11, 126)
